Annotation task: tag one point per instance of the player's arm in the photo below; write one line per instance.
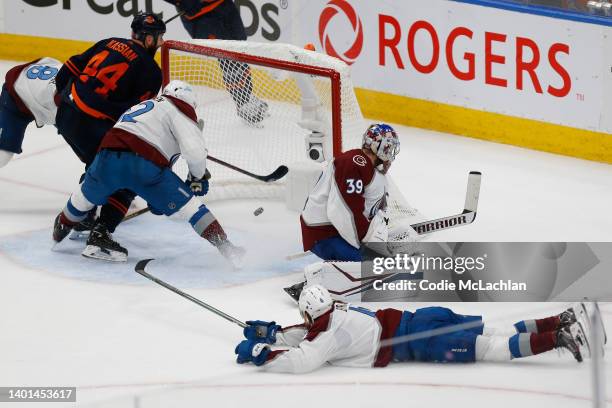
(191, 142)
(308, 356)
(291, 336)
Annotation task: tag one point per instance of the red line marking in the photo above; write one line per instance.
(347, 383)
(34, 186)
(39, 152)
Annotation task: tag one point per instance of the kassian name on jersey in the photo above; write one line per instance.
(444, 285)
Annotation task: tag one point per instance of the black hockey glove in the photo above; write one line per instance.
(198, 186)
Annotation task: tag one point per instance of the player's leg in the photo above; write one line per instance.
(169, 195)
(13, 124)
(336, 249)
(552, 323)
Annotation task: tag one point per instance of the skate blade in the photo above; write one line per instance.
(78, 235)
(95, 252)
(579, 334)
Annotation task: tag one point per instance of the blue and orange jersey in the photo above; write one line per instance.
(195, 8)
(110, 77)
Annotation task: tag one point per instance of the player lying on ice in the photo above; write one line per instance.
(136, 154)
(341, 334)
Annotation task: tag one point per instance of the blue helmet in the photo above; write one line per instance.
(382, 140)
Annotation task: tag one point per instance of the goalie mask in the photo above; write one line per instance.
(181, 90)
(314, 301)
(382, 140)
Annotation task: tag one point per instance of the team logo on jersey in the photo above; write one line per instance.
(359, 160)
(171, 205)
(329, 13)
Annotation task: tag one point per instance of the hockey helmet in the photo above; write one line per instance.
(181, 90)
(314, 301)
(382, 140)
(148, 24)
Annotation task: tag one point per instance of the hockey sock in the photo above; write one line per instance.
(114, 210)
(493, 348)
(207, 226)
(538, 325)
(529, 344)
(76, 209)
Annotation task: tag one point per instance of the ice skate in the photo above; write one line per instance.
(60, 231)
(234, 254)
(295, 290)
(572, 339)
(254, 111)
(100, 245)
(83, 228)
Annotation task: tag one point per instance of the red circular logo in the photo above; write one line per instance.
(331, 10)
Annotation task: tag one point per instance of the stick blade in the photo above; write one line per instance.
(473, 191)
(140, 265)
(277, 174)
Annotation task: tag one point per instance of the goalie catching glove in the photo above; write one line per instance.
(198, 186)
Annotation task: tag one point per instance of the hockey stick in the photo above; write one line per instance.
(277, 174)
(466, 217)
(175, 17)
(140, 268)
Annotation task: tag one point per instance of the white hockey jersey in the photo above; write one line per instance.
(347, 196)
(35, 87)
(159, 130)
(345, 336)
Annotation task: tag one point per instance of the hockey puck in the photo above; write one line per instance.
(258, 211)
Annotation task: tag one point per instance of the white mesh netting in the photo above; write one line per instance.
(257, 116)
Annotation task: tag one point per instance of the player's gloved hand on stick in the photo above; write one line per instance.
(199, 186)
(252, 350)
(261, 331)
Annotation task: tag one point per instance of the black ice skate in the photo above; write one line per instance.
(254, 111)
(60, 231)
(567, 318)
(572, 339)
(100, 245)
(234, 254)
(295, 290)
(83, 228)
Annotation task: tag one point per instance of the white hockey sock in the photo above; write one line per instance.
(5, 157)
(77, 208)
(492, 348)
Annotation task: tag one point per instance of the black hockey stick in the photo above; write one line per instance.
(277, 174)
(466, 217)
(140, 268)
(175, 17)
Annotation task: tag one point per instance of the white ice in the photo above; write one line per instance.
(125, 342)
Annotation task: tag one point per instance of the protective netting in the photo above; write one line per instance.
(260, 102)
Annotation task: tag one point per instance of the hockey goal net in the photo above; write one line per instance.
(266, 105)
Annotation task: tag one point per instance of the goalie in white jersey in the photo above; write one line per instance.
(28, 94)
(136, 154)
(341, 334)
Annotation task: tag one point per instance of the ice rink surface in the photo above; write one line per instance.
(125, 342)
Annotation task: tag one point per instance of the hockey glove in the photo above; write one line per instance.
(198, 186)
(261, 331)
(251, 350)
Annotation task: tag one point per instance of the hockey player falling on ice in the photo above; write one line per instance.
(136, 155)
(100, 84)
(28, 94)
(341, 334)
(220, 19)
(347, 205)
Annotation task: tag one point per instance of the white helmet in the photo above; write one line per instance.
(181, 90)
(314, 301)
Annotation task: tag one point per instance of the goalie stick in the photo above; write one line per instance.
(466, 217)
(140, 268)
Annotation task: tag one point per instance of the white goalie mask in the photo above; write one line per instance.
(382, 140)
(314, 301)
(181, 90)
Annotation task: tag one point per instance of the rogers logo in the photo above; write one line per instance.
(331, 10)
